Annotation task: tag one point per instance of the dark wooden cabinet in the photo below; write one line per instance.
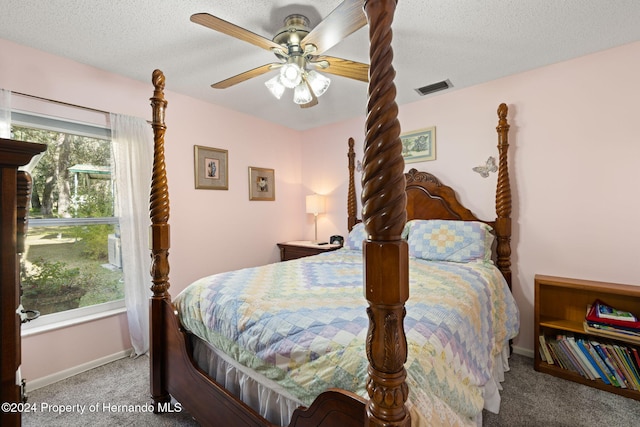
(14, 207)
(299, 249)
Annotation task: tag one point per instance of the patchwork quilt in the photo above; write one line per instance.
(303, 324)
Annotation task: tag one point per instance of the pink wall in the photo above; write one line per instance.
(212, 231)
(574, 154)
(50, 353)
(574, 160)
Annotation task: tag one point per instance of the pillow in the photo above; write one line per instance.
(356, 236)
(445, 240)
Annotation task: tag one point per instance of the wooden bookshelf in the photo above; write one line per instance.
(560, 307)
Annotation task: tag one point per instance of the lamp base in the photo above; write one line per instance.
(315, 222)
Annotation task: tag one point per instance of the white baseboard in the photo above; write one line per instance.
(523, 351)
(59, 376)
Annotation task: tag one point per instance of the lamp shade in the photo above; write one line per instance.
(315, 204)
(301, 94)
(275, 87)
(318, 82)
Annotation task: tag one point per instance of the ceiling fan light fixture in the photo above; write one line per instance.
(302, 94)
(319, 83)
(290, 75)
(298, 48)
(275, 87)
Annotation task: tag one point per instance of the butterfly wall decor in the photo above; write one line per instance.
(490, 166)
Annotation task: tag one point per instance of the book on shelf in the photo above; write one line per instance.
(608, 377)
(633, 380)
(622, 330)
(601, 313)
(611, 332)
(557, 355)
(560, 356)
(632, 362)
(616, 378)
(620, 364)
(588, 369)
(613, 362)
(598, 368)
(571, 357)
(636, 357)
(564, 352)
(545, 354)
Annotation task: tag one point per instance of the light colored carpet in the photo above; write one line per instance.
(535, 399)
(109, 395)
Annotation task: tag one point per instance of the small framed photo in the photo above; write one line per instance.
(211, 168)
(419, 145)
(262, 184)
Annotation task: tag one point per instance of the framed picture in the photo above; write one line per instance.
(419, 145)
(211, 168)
(262, 184)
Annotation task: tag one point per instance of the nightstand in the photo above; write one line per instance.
(303, 248)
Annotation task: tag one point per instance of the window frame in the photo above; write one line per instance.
(79, 315)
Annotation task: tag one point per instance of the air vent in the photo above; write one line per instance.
(435, 87)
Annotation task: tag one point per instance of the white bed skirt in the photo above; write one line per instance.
(263, 395)
(277, 405)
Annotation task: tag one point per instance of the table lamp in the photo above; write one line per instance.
(315, 206)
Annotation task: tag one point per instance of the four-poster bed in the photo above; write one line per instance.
(390, 198)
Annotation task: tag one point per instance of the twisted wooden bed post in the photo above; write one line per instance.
(503, 198)
(386, 262)
(159, 240)
(352, 208)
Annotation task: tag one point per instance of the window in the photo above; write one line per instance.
(72, 250)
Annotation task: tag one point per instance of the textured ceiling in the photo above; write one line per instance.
(465, 41)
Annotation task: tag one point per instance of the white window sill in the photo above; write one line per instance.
(62, 320)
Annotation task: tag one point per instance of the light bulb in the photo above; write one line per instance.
(290, 75)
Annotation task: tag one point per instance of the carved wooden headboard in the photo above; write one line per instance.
(429, 198)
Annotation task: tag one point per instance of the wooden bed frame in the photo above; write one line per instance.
(389, 198)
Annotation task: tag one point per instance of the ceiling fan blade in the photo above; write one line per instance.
(245, 76)
(314, 98)
(343, 67)
(345, 19)
(233, 30)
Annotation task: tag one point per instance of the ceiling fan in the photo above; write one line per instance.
(299, 49)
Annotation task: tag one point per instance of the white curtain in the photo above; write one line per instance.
(133, 160)
(5, 113)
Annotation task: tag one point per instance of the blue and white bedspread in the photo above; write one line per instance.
(303, 324)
